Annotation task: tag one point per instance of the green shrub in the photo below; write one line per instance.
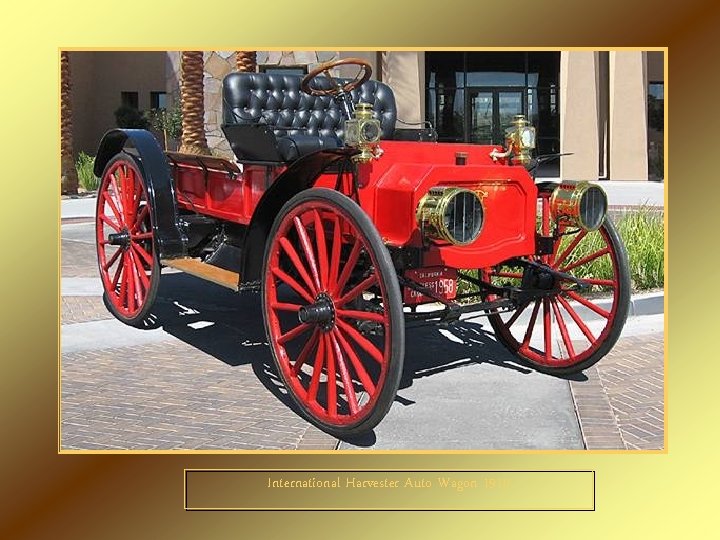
(84, 165)
(166, 121)
(130, 118)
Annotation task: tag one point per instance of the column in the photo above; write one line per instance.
(403, 71)
(579, 115)
(628, 116)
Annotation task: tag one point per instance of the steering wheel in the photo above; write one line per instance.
(337, 88)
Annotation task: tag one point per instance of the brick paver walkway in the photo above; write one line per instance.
(621, 405)
(174, 396)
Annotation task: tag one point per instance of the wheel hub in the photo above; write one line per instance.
(120, 239)
(322, 312)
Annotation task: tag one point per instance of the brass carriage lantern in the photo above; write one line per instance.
(363, 132)
(519, 141)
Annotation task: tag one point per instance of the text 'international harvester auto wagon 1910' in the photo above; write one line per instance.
(347, 224)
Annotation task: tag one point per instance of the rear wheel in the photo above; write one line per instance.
(333, 312)
(127, 260)
(569, 329)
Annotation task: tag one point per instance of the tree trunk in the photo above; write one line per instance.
(246, 61)
(68, 173)
(192, 103)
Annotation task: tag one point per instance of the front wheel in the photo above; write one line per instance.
(333, 312)
(569, 329)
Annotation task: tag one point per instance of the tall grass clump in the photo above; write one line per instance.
(86, 177)
(643, 232)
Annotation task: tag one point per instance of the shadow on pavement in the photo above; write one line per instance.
(229, 327)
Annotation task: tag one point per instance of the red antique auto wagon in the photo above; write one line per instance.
(353, 228)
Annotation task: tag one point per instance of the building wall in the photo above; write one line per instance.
(98, 77)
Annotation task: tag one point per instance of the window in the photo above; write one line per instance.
(284, 70)
(158, 100)
(129, 99)
(656, 130)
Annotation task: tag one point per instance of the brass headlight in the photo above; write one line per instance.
(580, 204)
(452, 214)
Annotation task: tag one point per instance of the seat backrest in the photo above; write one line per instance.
(276, 100)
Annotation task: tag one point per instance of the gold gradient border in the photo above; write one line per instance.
(119, 496)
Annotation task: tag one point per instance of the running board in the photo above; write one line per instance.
(208, 272)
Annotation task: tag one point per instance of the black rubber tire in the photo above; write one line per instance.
(386, 270)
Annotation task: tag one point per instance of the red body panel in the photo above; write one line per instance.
(390, 189)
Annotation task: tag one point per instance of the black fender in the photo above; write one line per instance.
(150, 158)
(300, 175)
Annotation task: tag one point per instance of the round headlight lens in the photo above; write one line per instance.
(593, 207)
(370, 131)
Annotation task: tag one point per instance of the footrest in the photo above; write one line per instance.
(208, 272)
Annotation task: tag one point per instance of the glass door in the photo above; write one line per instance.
(491, 113)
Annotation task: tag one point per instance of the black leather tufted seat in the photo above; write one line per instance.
(292, 123)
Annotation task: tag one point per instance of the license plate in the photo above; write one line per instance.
(440, 280)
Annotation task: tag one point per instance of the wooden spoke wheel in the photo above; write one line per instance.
(570, 328)
(127, 261)
(333, 312)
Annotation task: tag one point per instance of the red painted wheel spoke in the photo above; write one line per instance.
(344, 375)
(362, 315)
(282, 276)
(563, 330)
(132, 278)
(140, 219)
(113, 258)
(124, 280)
(292, 334)
(118, 195)
(357, 290)
(348, 268)
(109, 223)
(575, 317)
(547, 327)
(332, 379)
(335, 255)
(143, 254)
(140, 271)
(308, 250)
(364, 343)
(107, 198)
(305, 352)
(514, 275)
(322, 250)
(531, 325)
(586, 259)
(137, 196)
(299, 266)
(136, 279)
(519, 311)
(317, 370)
(588, 304)
(360, 370)
(118, 272)
(281, 306)
(575, 241)
(142, 236)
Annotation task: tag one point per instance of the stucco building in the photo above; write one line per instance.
(604, 108)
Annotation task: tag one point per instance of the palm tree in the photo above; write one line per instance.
(192, 103)
(68, 173)
(246, 60)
